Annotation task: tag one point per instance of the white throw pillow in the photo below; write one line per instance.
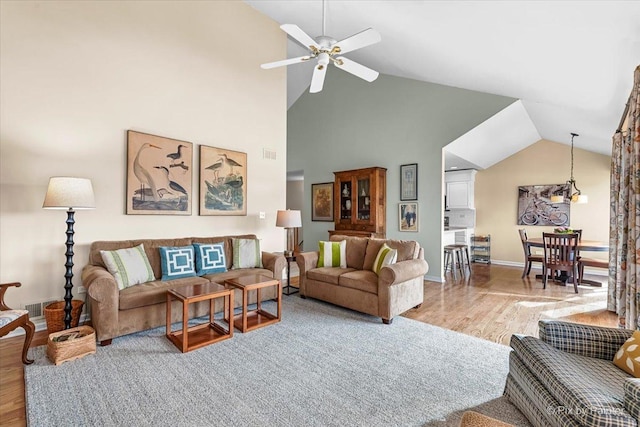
(332, 254)
(246, 253)
(128, 266)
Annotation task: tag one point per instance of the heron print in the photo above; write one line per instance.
(159, 175)
(223, 181)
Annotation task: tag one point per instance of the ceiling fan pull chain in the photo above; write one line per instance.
(324, 12)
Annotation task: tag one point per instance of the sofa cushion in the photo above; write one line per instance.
(228, 246)
(128, 266)
(177, 262)
(593, 387)
(210, 258)
(332, 254)
(152, 249)
(628, 357)
(154, 292)
(407, 249)
(327, 274)
(386, 256)
(246, 253)
(362, 280)
(355, 250)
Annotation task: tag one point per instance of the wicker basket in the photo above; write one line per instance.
(63, 351)
(54, 315)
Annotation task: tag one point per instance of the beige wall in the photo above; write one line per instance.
(545, 162)
(76, 75)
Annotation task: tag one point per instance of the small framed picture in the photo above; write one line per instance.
(408, 216)
(322, 202)
(409, 182)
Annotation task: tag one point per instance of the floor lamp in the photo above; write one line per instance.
(71, 194)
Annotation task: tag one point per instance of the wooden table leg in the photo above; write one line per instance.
(279, 298)
(185, 326)
(168, 314)
(244, 310)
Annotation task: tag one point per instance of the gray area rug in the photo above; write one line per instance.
(321, 366)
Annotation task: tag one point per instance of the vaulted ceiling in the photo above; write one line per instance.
(570, 63)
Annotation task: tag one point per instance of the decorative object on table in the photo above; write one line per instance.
(72, 194)
(12, 319)
(576, 196)
(409, 182)
(408, 216)
(71, 344)
(325, 49)
(563, 230)
(159, 175)
(223, 181)
(289, 219)
(322, 201)
(535, 207)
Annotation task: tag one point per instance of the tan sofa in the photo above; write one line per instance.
(119, 312)
(398, 288)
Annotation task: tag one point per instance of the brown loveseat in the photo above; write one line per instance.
(398, 288)
(117, 312)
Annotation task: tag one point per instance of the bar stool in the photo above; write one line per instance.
(453, 253)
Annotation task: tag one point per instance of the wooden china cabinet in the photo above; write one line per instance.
(360, 202)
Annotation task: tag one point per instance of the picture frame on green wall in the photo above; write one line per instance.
(409, 182)
(322, 202)
(408, 216)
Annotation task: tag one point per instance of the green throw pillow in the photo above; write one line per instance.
(246, 253)
(332, 254)
(128, 266)
(386, 256)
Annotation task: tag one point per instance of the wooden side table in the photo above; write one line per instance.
(193, 337)
(254, 319)
(287, 290)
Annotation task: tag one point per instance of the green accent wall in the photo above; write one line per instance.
(393, 121)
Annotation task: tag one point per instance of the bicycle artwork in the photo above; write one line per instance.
(535, 207)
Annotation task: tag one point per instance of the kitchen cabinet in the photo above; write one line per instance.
(360, 202)
(459, 189)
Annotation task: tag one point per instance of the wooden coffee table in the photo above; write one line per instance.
(193, 337)
(254, 319)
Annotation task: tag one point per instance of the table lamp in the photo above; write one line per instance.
(69, 193)
(289, 220)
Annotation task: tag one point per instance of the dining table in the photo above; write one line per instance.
(583, 246)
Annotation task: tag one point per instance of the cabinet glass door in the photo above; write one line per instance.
(345, 200)
(363, 199)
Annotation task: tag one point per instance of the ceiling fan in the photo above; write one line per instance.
(326, 49)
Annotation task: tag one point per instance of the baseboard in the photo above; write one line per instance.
(41, 325)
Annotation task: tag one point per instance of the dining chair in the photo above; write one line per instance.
(560, 254)
(12, 319)
(528, 257)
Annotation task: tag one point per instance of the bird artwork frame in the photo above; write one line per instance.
(159, 175)
(223, 181)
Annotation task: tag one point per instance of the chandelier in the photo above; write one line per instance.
(576, 196)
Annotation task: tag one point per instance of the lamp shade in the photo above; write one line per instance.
(288, 219)
(66, 192)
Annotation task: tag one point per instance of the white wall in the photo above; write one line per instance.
(76, 75)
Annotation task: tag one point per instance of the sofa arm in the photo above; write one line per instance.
(632, 397)
(402, 271)
(103, 290)
(306, 261)
(585, 340)
(275, 263)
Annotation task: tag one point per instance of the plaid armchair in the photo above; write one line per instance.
(567, 377)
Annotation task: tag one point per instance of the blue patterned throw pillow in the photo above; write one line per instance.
(177, 262)
(210, 258)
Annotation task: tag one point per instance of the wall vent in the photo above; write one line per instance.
(268, 154)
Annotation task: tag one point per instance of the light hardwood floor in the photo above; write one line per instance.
(491, 303)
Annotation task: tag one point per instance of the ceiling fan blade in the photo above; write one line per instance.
(285, 62)
(300, 36)
(317, 81)
(356, 69)
(359, 40)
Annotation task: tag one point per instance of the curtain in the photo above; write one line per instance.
(624, 229)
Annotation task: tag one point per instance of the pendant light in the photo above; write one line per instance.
(577, 196)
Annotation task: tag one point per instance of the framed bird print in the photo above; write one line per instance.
(223, 181)
(159, 175)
